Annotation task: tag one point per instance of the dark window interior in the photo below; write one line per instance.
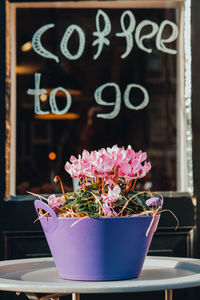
(152, 129)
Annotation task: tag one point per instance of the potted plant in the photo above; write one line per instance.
(103, 230)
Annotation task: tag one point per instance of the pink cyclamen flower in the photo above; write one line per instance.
(106, 163)
(130, 154)
(108, 210)
(130, 163)
(154, 201)
(109, 180)
(78, 168)
(129, 170)
(144, 169)
(113, 194)
(54, 202)
(141, 156)
(101, 163)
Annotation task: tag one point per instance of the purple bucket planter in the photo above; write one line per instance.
(111, 248)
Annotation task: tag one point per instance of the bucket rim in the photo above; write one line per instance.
(109, 218)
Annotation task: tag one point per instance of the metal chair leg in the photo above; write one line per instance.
(75, 296)
(169, 294)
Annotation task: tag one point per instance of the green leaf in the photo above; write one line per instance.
(93, 206)
(93, 186)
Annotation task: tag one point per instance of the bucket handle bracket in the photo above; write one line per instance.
(47, 226)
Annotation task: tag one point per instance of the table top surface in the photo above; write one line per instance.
(40, 275)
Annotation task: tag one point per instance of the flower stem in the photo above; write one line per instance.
(56, 179)
(86, 180)
(103, 184)
(128, 185)
(134, 185)
(84, 183)
(116, 175)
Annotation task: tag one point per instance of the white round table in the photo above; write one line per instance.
(38, 278)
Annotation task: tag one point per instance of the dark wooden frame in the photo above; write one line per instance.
(196, 111)
(2, 98)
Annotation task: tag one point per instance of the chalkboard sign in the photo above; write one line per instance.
(91, 75)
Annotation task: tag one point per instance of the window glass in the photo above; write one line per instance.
(99, 89)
